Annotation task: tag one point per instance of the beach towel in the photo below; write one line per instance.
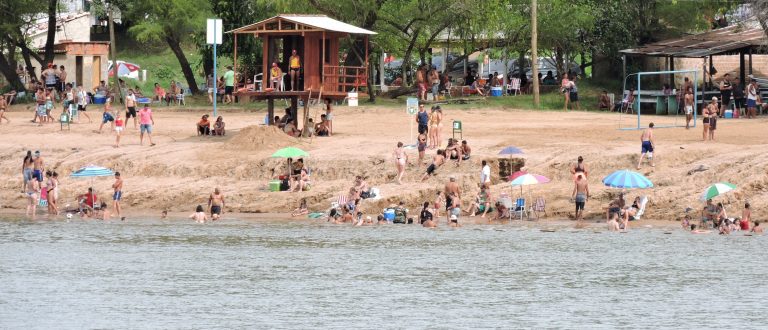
(315, 215)
(43, 197)
(641, 211)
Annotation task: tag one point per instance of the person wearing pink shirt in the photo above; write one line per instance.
(146, 121)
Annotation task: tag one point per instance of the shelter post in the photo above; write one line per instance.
(672, 75)
(322, 67)
(265, 64)
(742, 69)
(623, 67)
(711, 68)
(235, 60)
(271, 111)
(750, 61)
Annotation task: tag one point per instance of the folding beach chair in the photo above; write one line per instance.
(506, 201)
(641, 211)
(539, 207)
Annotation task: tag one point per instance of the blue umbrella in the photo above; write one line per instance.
(92, 171)
(627, 179)
(510, 151)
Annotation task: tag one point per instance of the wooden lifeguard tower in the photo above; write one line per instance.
(316, 40)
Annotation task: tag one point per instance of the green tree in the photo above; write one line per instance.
(174, 22)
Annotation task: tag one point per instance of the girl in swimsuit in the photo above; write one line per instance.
(51, 186)
(329, 116)
(705, 113)
(433, 121)
(401, 158)
(32, 193)
(438, 134)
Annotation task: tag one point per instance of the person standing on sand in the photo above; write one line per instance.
(216, 204)
(648, 145)
(752, 91)
(421, 146)
(3, 107)
(421, 84)
(688, 100)
(130, 108)
(485, 173)
(580, 195)
(451, 191)
(422, 120)
(565, 89)
(401, 158)
(146, 121)
(580, 167)
(26, 169)
(329, 116)
(714, 113)
(118, 194)
(38, 167)
(229, 85)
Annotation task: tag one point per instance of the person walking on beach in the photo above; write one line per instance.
(647, 145)
(688, 100)
(401, 158)
(580, 167)
(216, 204)
(580, 195)
(146, 121)
(130, 108)
(118, 193)
(106, 116)
(82, 103)
(229, 85)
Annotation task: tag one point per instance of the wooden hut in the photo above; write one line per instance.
(316, 40)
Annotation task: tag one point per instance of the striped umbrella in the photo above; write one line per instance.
(529, 179)
(716, 190)
(627, 179)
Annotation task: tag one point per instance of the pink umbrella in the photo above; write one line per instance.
(528, 179)
(516, 174)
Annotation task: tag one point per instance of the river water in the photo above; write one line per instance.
(296, 274)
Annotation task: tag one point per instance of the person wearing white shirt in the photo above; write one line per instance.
(485, 176)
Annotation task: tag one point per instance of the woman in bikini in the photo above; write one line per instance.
(52, 186)
(565, 88)
(705, 113)
(438, 131)
(401, 158)
(433, 122)
(32, 193)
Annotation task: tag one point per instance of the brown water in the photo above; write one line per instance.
(239, 274)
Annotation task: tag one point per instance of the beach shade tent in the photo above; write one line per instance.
(526, 180)
(627, 179)
(290, 152)
(511, 150)
(716, 189)
(92, 172)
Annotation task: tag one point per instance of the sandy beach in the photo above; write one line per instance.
(183, 168)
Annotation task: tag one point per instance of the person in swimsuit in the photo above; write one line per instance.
(421, 146)
(294, 66)
(216, 203)
(38, 167)
(706, 112)
(756, 228)
(438, 204)
(580, 195)
(425, 217)
(107, 117)
(32, 193)
(714, 112)
(437, 161)
(453, 151)
(580, 167)
(433, 121)
(439, 129)
(451, 192)
(3, 107)
(199, 216)
(688, 100)
(329, 116)
(466, 151)
(401, 158)
(119, 128)
(565, 88)
(130, 108)
(51, 187)
(146, 122)
(118, 193)
(746, 217)
(26, 169)
(40, 113)
(648, 144)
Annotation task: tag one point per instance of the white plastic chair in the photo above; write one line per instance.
(258, 81)
(513, 88)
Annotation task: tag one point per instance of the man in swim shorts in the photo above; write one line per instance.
(580, 195)
(216, 203)
(437, 161)
(450, 190)
(38, 167)
(647, 145)
(130, 108)
(118, 194)
(688, 100)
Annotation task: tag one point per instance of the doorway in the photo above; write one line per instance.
(78, 70)
(96, 71)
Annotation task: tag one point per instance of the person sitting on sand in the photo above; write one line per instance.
(87, 201)
(709, 215)
(219, 128)
(321, 128)
(482, 202)
(630, 211)
(401, 213)
(425, 217)
(276, 122)
(301, 180)
(614, 208)
(453, 151)
(291, 130)
(204, 126)
(302, 209)
(502, 211)
(437, 161)
(466, 151)
(361, 189)
(199, 216)
(721, 214)
(756, 228)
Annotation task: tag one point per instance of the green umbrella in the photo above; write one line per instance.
(716, 190)
(290, 152)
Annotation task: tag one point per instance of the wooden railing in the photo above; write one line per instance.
(344, 78)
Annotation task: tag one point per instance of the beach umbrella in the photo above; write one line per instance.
(511, 150)
(92, 172)
(627, 179)
(516, 175)
(526, 180)
(290, 152)
(716, 189)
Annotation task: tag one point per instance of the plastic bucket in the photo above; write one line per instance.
(99, 100)
(728, 114)
(274, 185)
(495, 91)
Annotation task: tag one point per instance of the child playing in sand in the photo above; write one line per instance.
(302, 209)
(199, 216)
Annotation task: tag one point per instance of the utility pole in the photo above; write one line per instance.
(534, 54)
(113, 51)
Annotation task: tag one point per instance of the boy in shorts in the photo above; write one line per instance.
(130, 108)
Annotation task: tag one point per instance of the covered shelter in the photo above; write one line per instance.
(743, 39)
(316, 40)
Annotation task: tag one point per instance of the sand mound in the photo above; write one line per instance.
(261, 137)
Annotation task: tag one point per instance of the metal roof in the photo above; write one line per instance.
(316, 21)
(738, 36)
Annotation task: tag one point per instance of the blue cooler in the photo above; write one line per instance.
(143, 100)
(495, 91)
(728, 113)
(389, 214)
(99, 99)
